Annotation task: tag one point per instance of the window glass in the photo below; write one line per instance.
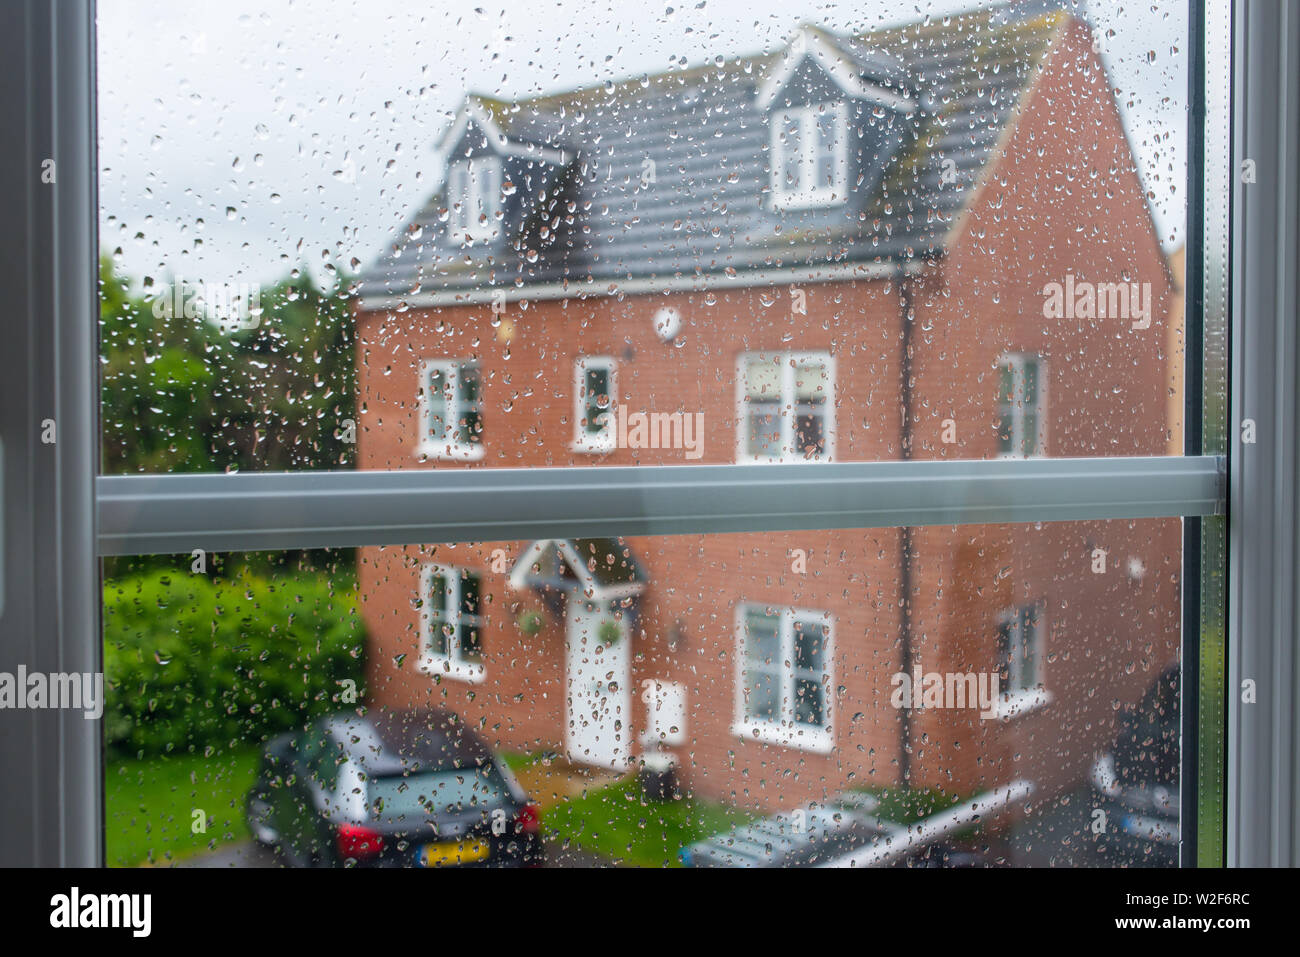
(396, 261)
(786, 411)
(451, 408)
(595, 404)
(408, 797)
(729, 236)
(696, 685)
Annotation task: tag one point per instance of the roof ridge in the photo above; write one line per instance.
(927, 25)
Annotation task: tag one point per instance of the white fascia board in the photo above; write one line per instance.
(474, 111)
(835, 65)
(592, 287)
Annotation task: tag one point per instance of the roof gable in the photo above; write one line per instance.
(860, 75)
(476, 126)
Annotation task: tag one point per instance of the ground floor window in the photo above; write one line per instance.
(782, 695)
(450, 622)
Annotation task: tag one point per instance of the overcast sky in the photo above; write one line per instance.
(238, 139)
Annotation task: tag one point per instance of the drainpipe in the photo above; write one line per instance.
(905, 533)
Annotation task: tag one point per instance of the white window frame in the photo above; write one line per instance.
(1017, 362)
(606, 439)
(450, 448)
(803, 194)
(451, 614)
(786, 732)
(1022, 700)
(787, 408)
(474, 200)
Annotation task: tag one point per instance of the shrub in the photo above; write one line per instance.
(192, 663)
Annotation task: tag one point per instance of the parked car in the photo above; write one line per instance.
(1136, 782)
(393, 789)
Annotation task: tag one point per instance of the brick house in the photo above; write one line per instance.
(837, 251)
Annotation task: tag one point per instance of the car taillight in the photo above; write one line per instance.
(529, 819)
(358, 842)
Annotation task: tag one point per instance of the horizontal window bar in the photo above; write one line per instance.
(144, 514)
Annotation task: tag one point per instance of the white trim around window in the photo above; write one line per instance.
(1023, 678)
(809, 156)
(1022, 414)
(451, 410)
(787, 680)
(594, 430)
(457, 615)
(775, 392)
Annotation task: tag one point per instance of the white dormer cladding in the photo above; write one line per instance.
(863, 76)
(813, 99)
(476, 112)
(478, 157)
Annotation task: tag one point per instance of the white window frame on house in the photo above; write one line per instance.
(787, 407)
(1018, 408)
(1023, 698)
(450, 614)
(786, 731)
(806, 194)
(451, 447)
(473, 192)
(605, 438)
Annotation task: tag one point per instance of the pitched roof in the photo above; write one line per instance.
(706, 214)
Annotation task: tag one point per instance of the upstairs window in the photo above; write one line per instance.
(451, 410)
(809, 153)
(474, 197)
(785, 410)
(1020, 407)
(594, 398)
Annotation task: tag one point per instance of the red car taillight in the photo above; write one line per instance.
(359, 842)
(529, 819)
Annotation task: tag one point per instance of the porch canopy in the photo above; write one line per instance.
(600, 569)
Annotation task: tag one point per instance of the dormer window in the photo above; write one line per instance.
(474, 197)
(809, 156)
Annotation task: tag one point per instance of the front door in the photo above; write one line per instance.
(599, 697)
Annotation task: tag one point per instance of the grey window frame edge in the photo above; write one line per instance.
(51, 781)
(1263, 790)
(72, 43)
(1203, 660)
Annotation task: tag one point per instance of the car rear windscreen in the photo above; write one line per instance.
(434, 792)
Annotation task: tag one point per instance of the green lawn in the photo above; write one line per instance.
(619, 823)
(150, 804)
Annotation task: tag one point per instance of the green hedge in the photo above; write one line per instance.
(193, 663)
